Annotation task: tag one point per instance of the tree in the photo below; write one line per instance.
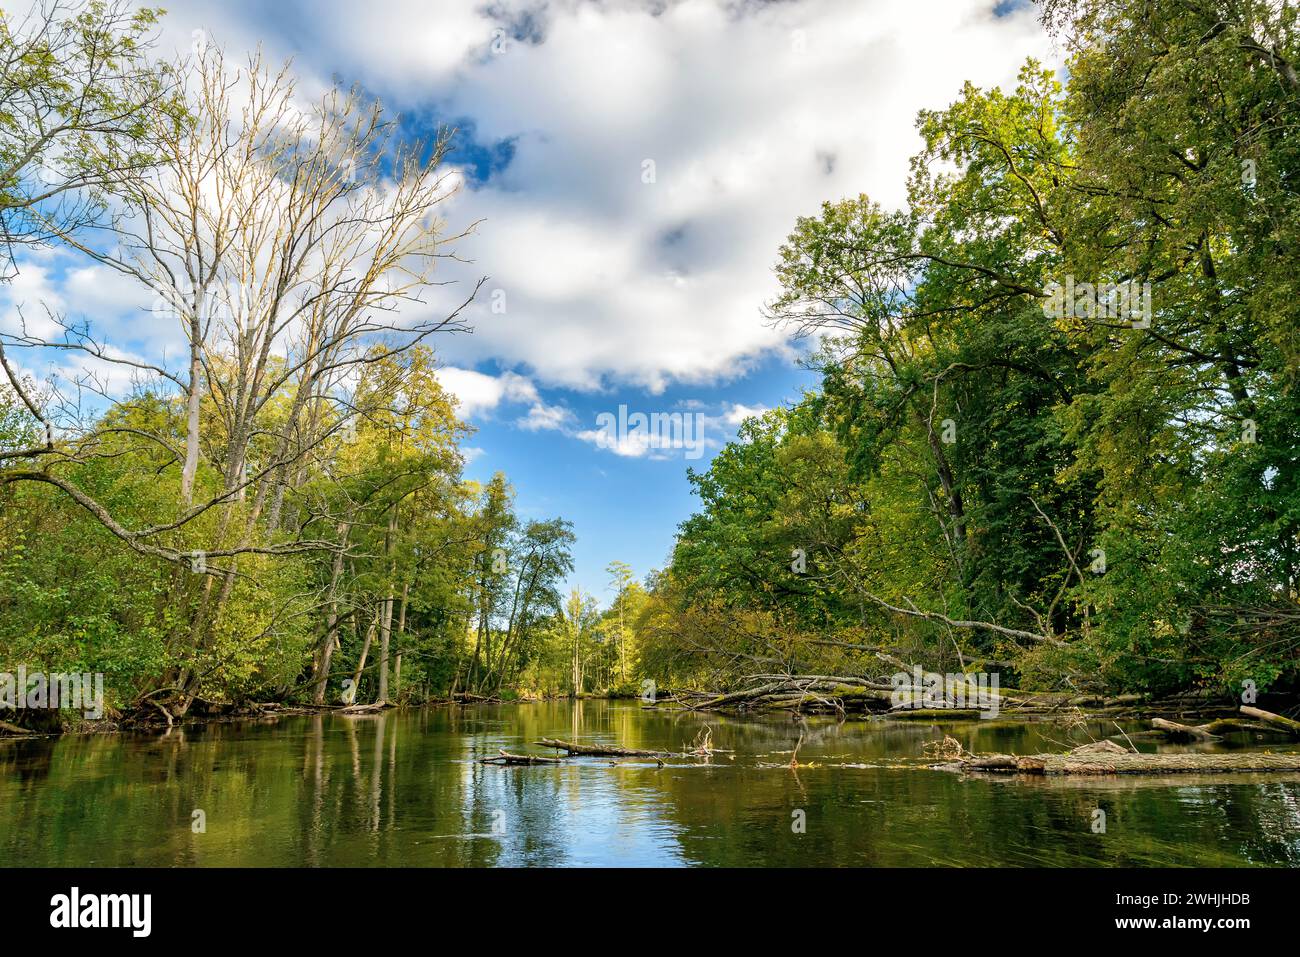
(285, 242)
(1056, 427)
(79, 100)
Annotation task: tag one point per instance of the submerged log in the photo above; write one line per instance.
(1276, 720)
(1237, 726)
(505, 757)
(599, 750)
(932, 714)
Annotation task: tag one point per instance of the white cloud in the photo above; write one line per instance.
(751, 121)
(753, 114)
(479, 394)
(737, 413)
(541, 417)
(627, 445)
(28, 301)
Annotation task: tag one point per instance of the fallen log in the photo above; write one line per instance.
(1183, 732)
(1130, 763)
(505, 757)
(990, 762)
(373, 708)
(469, 697)
(932, 714)
(1099, 747)
(1276, 720)
(1237, 726)
(599, 750)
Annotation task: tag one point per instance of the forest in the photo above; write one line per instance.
(281, 515)
(1058, 425)
(1056, 437)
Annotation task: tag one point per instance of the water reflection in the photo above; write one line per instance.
(406, 789)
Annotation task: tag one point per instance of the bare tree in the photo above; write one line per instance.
(293, 246)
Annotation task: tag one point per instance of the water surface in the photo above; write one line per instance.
(406, 789)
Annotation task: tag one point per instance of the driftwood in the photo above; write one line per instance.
(1275, 720)
(845, 695)
(505, 757)
(838, 694)
(8, 728)
(1236, 725)
(1183, 732)
(599, 750)
(850, 694)
(469, 697)
(932, 714)
(374, 708)
(702, 746)
(1099, 747)
(1128, 763)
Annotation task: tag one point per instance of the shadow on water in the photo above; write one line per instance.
(406, 789)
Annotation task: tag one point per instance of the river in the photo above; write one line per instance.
(406, 789)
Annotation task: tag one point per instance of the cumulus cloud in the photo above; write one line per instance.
(660, 152)
(627, 445)
(737, 413)
(479, 394)
(542, 417)
(684, 431)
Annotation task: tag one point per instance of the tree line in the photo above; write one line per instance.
(1058, 426)
(277, 512)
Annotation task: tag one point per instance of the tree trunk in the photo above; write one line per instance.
(321, 669)
(365, 653)
(191, 466)
(385, 632)
(1276, 720)
(386, 629)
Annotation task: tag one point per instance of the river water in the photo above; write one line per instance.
(406, 789)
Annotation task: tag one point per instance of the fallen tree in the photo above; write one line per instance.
(1275, 720)
(826, 694)
(1211, 712)
(1106, 757)
(600, 750)
(505, 757)
(1183, 732)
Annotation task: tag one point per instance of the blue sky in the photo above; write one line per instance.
(623, 507)
(633, 168)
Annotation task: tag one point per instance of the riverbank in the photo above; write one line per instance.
(407, 787)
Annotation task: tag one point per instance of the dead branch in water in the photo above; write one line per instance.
(505, 757)
(1110, 758)
(1275, 720)
(1183, 732)
(599, 750)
